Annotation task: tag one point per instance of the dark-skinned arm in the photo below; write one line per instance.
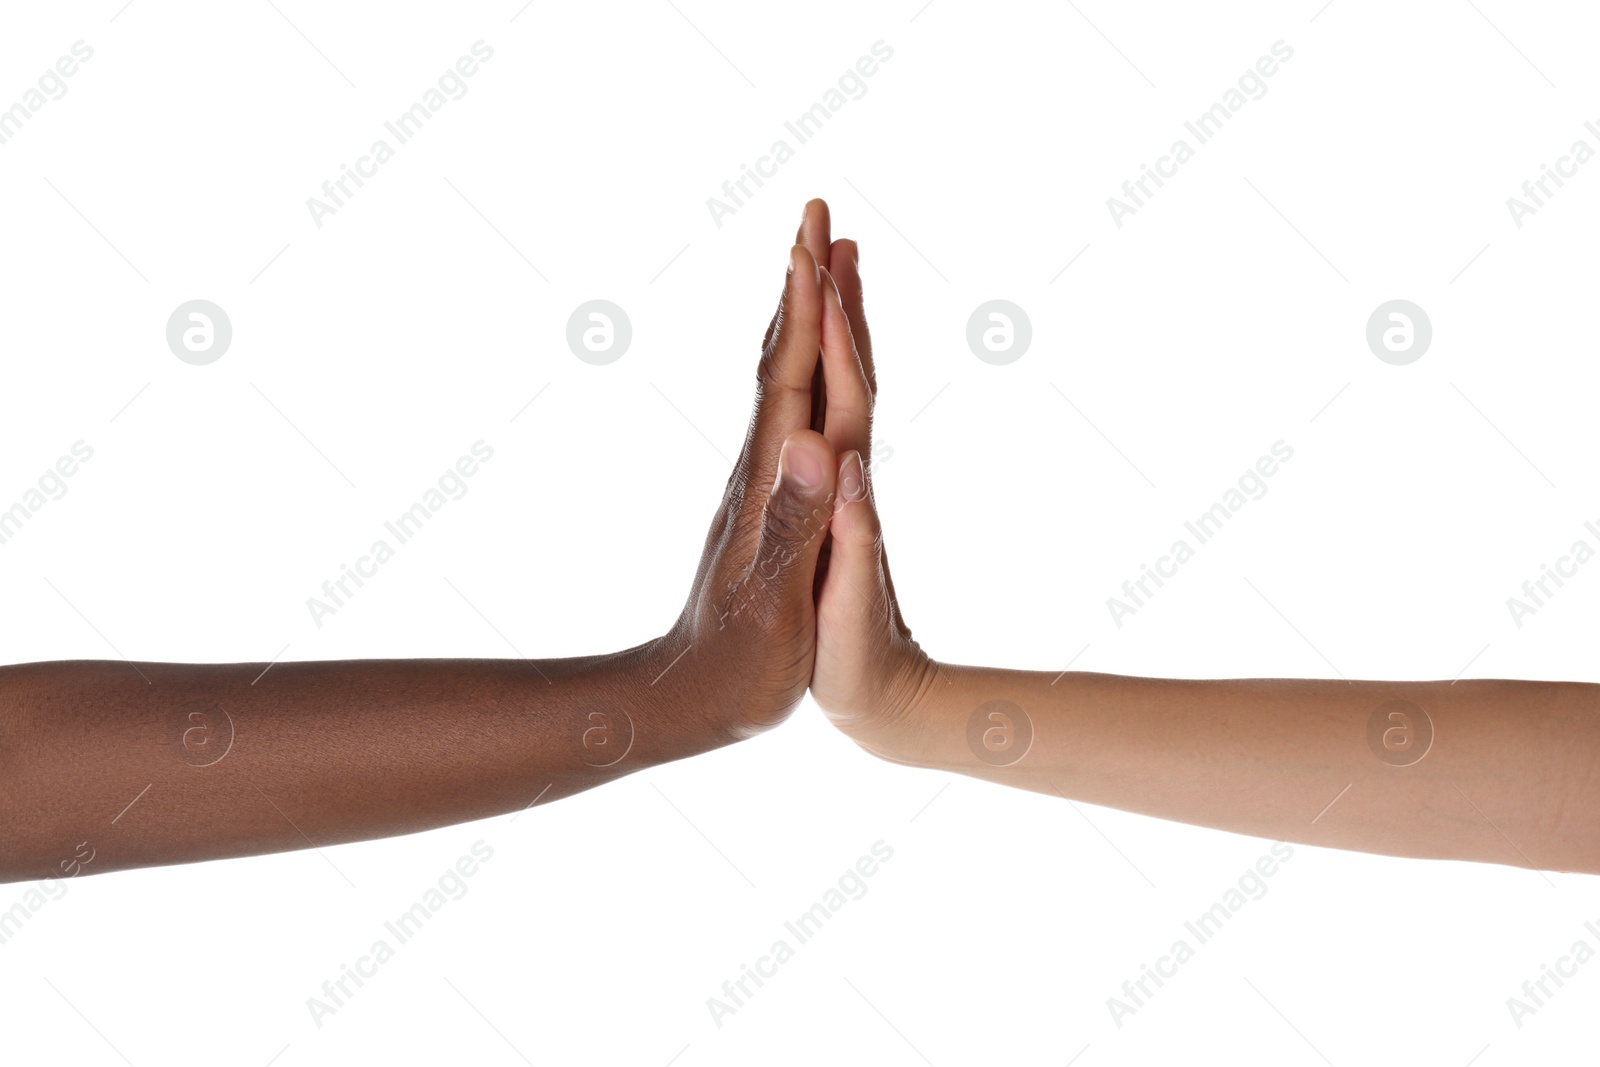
(139, 764)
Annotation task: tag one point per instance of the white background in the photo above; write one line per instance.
(1227, 314)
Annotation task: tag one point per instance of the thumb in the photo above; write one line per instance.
(855, 605)
(794, 524)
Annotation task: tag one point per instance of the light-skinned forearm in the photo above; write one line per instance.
(1511, 774)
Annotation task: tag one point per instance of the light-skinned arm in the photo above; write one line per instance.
(1494, 771)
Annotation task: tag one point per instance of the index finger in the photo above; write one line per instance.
(788, 364)
(843, 262)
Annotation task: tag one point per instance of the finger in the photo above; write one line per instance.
(788, 364)
(848, 420)
(815, 226)
(794, 524)
(844, 263)
(855, 593)
(813, 236)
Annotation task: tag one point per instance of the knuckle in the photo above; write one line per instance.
(793, 522)
(775, 332)
(766, 370)
(753, 603)
(870, 541)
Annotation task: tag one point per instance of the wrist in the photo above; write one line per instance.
(699, 692)
(954, 718)
(654, 707)
(906, 721)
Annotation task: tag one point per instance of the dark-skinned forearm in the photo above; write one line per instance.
(221, 760)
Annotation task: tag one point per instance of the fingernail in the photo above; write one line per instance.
(798, 468)
(794, 257)
(833, 286)
(855, 252)
(852, 478)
